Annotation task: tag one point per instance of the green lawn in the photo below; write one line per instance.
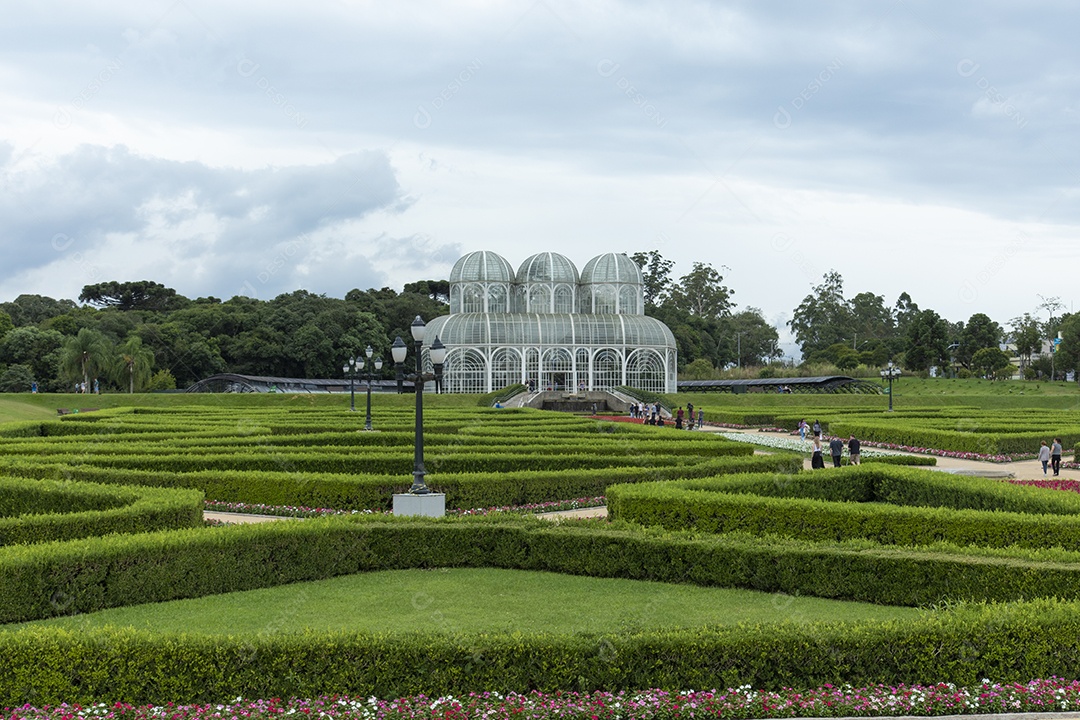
(43, 406)
(16, 407)
(476, 600)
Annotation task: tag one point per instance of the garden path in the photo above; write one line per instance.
(1020, 470)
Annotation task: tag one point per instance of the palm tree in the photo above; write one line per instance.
(85, 354)
(134, 363)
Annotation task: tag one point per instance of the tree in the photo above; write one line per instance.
(756, 342)
(5, 324)
(980, 332)
(702, 292)
(32, 309)
(162, 380)
(1026, 336)
(823, 317)
(437, 290)
(1067, 355)
(133, 365)
(700, 369)
(988, 361)
(927, 341)
(138, 295)
(870, 319)
(16, 378)
(36, 348)
(86, 355)
(904, 311)
(656, 272)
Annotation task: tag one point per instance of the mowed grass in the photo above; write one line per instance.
(475, 600)
(43, 406)
(15, 408)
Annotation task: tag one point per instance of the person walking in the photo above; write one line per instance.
(816, 461)
(679, 418)
(1055, 456)
(802, 429)
(836, 449)
(700, 418)
(1044, 456)
(853, 448)
(817, 429)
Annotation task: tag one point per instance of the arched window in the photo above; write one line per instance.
(472, 300)
(564, 299)
(645, 370)
(582, 368)
(628, 300)
(465, 371)
(539, 299)
(556, 369)
(607, 369)
(603, 299)
(455, 298)
(505, 368)
(498, 301)
(532, 368)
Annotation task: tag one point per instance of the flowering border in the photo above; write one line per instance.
(308, 512)
(1048, 695)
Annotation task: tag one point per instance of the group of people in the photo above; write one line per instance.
(836, 447)
(82, 388)
(1051, 456)
(650, 414)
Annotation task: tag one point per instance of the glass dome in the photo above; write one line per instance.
(611, 268)
(482, 266)
(547, 267)
(546, 326)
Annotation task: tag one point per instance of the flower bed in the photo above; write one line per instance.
(790, 444)
(305, 512)
(1070, 485)
(1051, 695)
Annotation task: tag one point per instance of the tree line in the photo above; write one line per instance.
(142, 336)
(865, 330)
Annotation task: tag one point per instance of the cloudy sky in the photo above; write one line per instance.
(227, 148)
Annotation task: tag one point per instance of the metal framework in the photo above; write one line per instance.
(820, 384)
(231, 382)
(550, 326)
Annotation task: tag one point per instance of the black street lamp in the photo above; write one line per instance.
(890, 373)
(437, 352)
(349, 368)
(369, 376)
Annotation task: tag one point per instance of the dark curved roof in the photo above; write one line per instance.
(820, 384)
(230, 382)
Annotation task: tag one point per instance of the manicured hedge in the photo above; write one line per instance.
(1008, 643)
(33, 511)
(97, 573)
(1005, 642)
(885, 504)
(375, 492)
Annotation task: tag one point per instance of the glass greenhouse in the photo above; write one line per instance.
(548, 325)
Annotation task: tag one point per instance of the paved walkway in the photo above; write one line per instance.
(1020, 470)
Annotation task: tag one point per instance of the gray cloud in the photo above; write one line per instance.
(236, 223)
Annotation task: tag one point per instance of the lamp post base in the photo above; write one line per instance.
(430, 505)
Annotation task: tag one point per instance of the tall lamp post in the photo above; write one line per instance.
(437, 352)
(890, 373)
(349, 368)
(369, 376)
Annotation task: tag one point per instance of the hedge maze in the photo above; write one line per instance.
(996, 566)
